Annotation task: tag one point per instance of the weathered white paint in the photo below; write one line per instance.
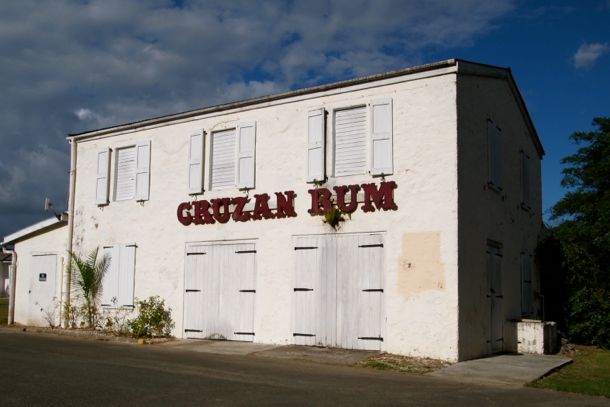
(538, 337)
(439, 120)
(47, 243)
(43, 289)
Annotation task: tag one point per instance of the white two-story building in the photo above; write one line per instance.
(397, 212)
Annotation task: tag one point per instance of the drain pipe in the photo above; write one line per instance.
(12, 274)
(67, 277)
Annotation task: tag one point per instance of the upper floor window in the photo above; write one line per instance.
(525, 181)
(494, 155)
(131, 173)
(362, 141)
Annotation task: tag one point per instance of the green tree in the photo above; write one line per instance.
(88, 281)
(584, 235)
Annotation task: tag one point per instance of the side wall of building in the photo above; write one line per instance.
(420, 238)
(49, 242)
(493, 217)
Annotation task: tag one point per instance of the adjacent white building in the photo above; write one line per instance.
(435, 171)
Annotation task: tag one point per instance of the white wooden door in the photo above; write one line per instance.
(219, 296)
(496, 314)
(193, 295)
(338, 291)
(42, 292)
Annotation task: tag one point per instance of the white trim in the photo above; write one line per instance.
(37, 227)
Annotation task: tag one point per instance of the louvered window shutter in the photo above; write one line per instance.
(110, 284)
(103, 174)
(316, 141)
(142, 171)
(195, 170)
(351, 135)
(246, 144)
(222, 174)
(381, 137)
(527, 306)
(126, 275)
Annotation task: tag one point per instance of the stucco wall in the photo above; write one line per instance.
(420, 237)
(485, 213)
(50, 241)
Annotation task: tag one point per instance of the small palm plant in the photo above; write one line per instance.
(87, 278)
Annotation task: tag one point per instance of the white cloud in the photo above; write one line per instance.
(588, 54)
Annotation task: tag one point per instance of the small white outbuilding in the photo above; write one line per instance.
(397, 212)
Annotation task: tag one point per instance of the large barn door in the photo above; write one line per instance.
(306, 291)
(194, 293)
(246, 289)
(220, 283)
(338, 291)
(359, 291)
(496, 314)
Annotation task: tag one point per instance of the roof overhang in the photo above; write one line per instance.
(437, 68)
(39, 227)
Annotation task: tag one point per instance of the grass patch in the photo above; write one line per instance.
(588, 374)
(3, 311)
(407, 364)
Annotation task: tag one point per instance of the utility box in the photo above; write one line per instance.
(537, 337)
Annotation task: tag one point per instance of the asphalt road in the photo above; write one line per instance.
(48, 370)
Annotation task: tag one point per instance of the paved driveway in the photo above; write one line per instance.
(47, 370)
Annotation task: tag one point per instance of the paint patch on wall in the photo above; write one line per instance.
(419, 265)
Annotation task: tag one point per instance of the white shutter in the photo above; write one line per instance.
(126, 275)
(223, 160)
(350, 141)
(142, 170)
(494, 140)
(195, 170)
(316, 142)
(103, 171)
(381, 137)
(110, 284)
(246, 144)
(125, 174)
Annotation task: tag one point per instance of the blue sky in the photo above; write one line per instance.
(68, 66)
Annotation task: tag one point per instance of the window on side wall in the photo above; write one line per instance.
(525, 181)
(118, 283)
(494, 156)
(232, 161)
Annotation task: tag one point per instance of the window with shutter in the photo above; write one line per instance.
(381, 137)
(125, 179)
(118, 282)
(525, 181)
(494, 145)
(195, 166)
(316, 143)
(351, 141)
(143, 171)
(246, 162)
(222, 174)
(102, 179)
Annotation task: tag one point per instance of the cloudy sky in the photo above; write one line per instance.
(70, 66)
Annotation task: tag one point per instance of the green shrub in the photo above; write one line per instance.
(153, 319)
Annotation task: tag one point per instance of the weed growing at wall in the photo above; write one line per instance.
(153, 319)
